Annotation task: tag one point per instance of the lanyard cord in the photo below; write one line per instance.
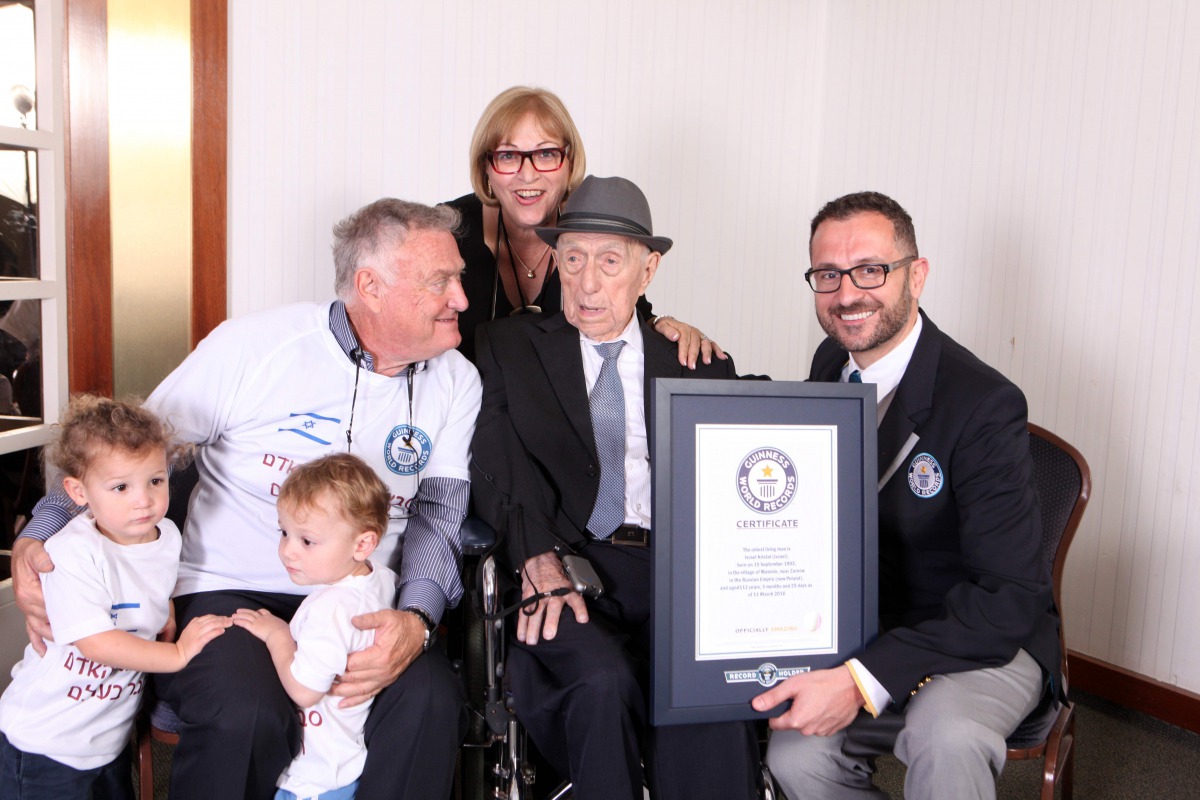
(356, 354)
(409, 376)
(526, 305)
(529, 605)
(511, 258)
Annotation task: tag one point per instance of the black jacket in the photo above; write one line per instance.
(963, 580)
(535, 473)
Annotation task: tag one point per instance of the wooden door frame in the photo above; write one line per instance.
(210, 103)
(88, 205)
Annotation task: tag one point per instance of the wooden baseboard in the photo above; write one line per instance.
(1123, 687)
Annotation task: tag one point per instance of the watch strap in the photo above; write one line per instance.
(427, 621)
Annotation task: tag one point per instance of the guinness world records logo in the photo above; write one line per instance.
(765, 675)
(766, 480)
(925, 476)
(407, 450)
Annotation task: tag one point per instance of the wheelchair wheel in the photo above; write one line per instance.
(475, 668)
(472, 780)
(475, 756)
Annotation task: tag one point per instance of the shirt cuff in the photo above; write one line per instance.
(875, 696)
(426, 595)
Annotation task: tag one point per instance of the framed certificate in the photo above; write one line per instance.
(765, 539)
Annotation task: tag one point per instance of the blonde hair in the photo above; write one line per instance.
(357, 492)
(500, 118)
(93, 427)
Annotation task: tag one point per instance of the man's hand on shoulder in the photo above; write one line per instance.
(29, 559)
(399, 639)
(544, 573)
(823, 702)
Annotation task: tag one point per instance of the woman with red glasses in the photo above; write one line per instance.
(526, 157)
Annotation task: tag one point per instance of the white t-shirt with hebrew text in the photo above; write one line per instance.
(333, 751)
(62, 705)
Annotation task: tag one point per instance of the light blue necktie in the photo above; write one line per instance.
(855, 377)
(608, 427)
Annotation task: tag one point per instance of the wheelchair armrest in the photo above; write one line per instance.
(477, 536)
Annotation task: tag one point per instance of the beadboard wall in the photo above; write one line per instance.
(1048, 152)
(335, 104)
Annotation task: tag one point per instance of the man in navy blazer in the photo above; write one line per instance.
(556, 481)
(969, 643)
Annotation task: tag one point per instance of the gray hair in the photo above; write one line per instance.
(381, 227)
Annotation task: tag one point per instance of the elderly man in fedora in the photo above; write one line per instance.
(562, 469)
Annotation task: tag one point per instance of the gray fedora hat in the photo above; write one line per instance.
(607, 205)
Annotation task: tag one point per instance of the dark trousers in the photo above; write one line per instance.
(28, 776)
(582, 697)
(239, 729)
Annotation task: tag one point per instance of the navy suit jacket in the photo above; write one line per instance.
(963, 580)
(535, 474)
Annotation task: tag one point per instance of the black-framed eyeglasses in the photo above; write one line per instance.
(824, 280)
(545, 159)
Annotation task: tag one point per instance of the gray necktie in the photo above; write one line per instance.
(608, 427)
(855, 377)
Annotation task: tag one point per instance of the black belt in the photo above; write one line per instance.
(629, 536)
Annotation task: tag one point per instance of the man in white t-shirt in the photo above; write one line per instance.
(374, 372)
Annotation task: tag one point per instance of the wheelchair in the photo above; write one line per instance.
(496, 759)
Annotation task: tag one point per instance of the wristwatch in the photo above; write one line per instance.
(427, 621)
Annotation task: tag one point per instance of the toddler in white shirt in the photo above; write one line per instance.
(65, 719)
(332, 513)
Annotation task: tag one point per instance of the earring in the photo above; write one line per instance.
(489, 188)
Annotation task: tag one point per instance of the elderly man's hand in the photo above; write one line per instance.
(823, 701)
(29, 558)
(399, 639)
(692, 342)
(544, 573)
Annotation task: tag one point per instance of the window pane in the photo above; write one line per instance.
(18, 213)
(20, 364)
(20, 487)
(18, 73)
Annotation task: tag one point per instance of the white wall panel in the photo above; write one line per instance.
(1047, 152)
(706, 105)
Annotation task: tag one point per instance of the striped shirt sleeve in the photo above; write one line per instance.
(51, 515)
(430, 570)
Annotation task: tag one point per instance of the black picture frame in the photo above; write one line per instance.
(686, 689)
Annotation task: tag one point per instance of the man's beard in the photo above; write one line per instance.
(889, 322)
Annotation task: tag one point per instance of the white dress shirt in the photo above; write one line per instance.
(887, 371)
(885, 374)
(631, 366)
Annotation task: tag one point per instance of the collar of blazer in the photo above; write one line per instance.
(913, 399)
(558, 350)
(914, 395)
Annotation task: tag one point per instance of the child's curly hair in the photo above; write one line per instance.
(93, 426)
(357, 492)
